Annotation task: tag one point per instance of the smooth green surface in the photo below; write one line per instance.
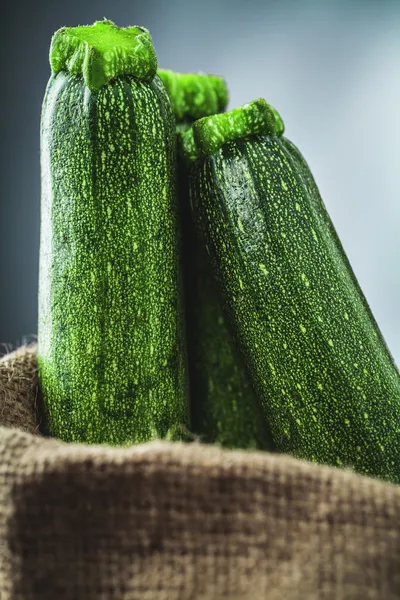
(103, 51)
(194, 95)
(254, 118)
(111, 348)
(329, 387)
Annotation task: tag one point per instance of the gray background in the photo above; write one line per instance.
(330, 67)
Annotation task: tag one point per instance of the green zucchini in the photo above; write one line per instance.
(111, 340)
(224, 408)
(329, 387)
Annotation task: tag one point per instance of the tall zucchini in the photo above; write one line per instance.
(111, 349)
(329, 387)
(224, 408)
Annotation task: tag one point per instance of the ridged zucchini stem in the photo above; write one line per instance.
(254, 118)
(194, 95)
(103, 51)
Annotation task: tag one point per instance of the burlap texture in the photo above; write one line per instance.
(168, 521)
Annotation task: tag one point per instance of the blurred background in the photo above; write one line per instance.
(330, 67)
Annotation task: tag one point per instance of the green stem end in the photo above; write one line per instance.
(254, 118)
(194, 95)
(103, 51)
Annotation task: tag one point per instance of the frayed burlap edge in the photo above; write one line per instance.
(19, 389)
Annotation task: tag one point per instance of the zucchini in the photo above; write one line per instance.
(329, 387)
(111, 346)
(224, 408)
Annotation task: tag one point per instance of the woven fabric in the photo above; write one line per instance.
(166, 521)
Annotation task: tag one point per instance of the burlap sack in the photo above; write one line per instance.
(173, 521)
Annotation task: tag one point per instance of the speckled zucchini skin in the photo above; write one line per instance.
(224, 406)
(111, 353)
(328, 384)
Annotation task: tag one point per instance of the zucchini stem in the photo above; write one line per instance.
(103, 51)
(254, 118)
(194, 95)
